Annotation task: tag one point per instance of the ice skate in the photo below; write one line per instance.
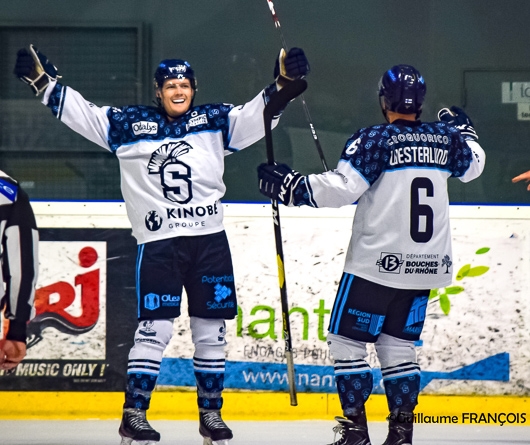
(400, 429)
(352, 433)
(213, 429)
(135, 427)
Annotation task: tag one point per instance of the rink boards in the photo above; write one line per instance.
(474, 351)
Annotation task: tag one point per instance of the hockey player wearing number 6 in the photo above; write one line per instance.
(171, 164)
(400, 246)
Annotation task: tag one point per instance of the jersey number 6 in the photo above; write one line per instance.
(421, 215)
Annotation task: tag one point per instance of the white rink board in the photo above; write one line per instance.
(488, 320)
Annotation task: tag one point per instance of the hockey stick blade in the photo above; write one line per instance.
(280, 99)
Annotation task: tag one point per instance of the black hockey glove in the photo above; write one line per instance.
(278, 182)
(34, 68)
(456, 117)
(291, 65)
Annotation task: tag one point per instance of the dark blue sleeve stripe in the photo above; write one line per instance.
(61, 105)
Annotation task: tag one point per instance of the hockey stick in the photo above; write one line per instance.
(277, 102)
(304, 104)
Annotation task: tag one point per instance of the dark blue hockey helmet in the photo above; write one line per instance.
(174, 69)
(402, 90)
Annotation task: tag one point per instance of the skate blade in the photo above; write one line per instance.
(209, 441)
(129, 441)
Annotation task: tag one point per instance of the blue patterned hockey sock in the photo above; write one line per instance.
(354, 381)
(402, 386)
(139, 389)
(210, 376)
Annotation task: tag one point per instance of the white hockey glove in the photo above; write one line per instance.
(456, 117)
(34, 68)
(278, 182)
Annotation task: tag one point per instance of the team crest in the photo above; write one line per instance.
(175, 175)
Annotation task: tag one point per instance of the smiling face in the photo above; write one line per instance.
(176, 96)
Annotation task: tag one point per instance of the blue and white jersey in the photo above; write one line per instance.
(398, 174)
(171, 172)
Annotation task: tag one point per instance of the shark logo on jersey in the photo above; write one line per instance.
(153, 221)
(175, 175)
(389, 263)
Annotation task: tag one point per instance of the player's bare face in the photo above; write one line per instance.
(176, 96)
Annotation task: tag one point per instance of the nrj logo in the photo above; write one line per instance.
(71, 304)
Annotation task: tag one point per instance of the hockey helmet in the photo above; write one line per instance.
(174, 69)
(402, 90)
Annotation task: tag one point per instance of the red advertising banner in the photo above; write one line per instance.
(85, 313)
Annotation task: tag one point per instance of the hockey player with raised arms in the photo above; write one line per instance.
(171, 163)
(400, 246)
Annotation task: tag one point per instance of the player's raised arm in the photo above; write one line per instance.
(246, 121)
(458, 118)
(90, 121)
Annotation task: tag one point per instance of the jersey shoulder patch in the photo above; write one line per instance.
(8, 191)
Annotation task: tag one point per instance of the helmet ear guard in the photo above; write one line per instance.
(402, 90)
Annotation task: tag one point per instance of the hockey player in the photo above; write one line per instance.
(171, 164)
(400, 246)
(19, 268)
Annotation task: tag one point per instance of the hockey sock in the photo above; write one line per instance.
(145, 357)
(402, 386)
(209, 375)
(354, 381)
(139, 389)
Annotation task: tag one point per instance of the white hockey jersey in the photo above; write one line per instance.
(398, 173)
(171, 172)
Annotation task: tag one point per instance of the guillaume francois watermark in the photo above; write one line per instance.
(464, 418)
